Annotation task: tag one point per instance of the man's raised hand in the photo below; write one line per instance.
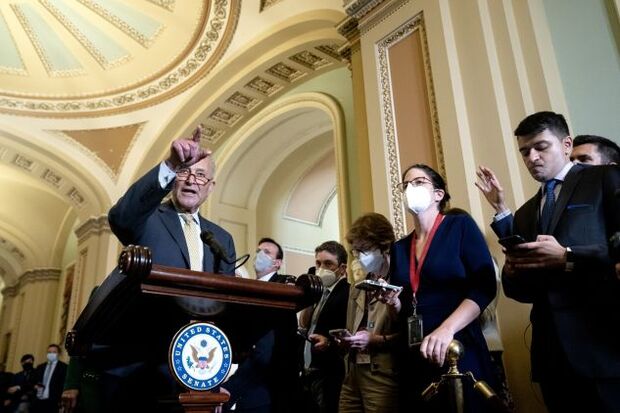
(185, 152)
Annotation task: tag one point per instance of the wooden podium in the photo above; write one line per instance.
(136, 274)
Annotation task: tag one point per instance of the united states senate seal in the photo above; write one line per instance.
(200, 356)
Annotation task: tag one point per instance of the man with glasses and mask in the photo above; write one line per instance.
(171, 228)
(323, 361)
(267, 379)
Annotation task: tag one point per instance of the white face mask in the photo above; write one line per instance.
(52, 357)
(418, 198)
(262, 262)
(328, 277)
(371, 261)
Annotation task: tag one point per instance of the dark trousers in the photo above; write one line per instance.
(574, 393)
(322, 390)
(44, 406)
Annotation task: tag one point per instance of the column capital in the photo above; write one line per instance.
(92, 226)
(360, 8)
(32, 276)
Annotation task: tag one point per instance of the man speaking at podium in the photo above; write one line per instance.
(172, 230)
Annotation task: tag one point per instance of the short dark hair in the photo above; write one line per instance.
(609, 150)
(57, 347)
(540, 121)
(436, 179)
(26, 357)
(335, 248)
(371, 230)
(280, 253)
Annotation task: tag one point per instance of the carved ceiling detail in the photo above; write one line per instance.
(12, 249)
(265, 85)
(45, 173)
(214, 25)
(265, 4)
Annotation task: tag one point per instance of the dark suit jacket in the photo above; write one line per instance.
(139, 349)
(269, 373)
(57, 381)
(140, 218)
(333, 315)
(577, 310)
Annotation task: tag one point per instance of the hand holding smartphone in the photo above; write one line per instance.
(511, 241)
(339, 333)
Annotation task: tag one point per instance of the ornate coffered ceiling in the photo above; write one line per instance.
(73, 57)
(93, 91)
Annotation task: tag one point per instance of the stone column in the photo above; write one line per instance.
(28, 316)
(97, 255)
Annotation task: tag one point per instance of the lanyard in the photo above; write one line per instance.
(415, 267)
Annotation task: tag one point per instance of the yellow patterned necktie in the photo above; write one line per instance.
(192, 239)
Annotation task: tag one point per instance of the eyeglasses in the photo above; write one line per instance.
(402, 186)
(199, 177)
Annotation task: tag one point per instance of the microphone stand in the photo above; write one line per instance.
(453, 381)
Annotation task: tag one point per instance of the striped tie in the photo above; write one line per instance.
(192, 239)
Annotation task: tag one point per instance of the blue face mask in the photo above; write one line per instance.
(52, 357)
(263, 261)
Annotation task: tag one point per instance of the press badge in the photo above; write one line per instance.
(414, 328)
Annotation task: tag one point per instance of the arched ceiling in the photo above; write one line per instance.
(71, 57)
(93, 91)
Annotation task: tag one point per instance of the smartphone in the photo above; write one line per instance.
(511, 241)
(371, 285)
(340, 333)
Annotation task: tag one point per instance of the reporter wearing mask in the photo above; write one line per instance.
(447, 275)
(370, 384)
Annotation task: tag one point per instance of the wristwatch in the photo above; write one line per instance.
(570, 260)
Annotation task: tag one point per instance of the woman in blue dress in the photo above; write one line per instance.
(447, 275)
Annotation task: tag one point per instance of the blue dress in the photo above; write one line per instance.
(458, 265)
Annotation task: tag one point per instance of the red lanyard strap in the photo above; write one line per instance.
(415, 267)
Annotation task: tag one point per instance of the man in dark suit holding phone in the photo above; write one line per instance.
(323, 361)
(565, 271)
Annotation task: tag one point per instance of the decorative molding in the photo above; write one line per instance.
(92, 155)
(224, 116)
(83, 39)
(38, 46)
(330, 50)
(166, 4)
(9, 292)
(349, 29)
(263, 86)
(387, 109)
(23, 162)
(202, 56)
(92, 226)
(285, 72)
(242, 101)
(211, 134)
(12, 249)
(32, 276)
(122, 25)
(265, 4)
(75, 197)
(13, 70)
(360, 8)
(310, 60)
(52, 178)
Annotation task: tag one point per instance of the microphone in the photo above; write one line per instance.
(218, 251)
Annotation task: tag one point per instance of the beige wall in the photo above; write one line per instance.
(489, 64)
